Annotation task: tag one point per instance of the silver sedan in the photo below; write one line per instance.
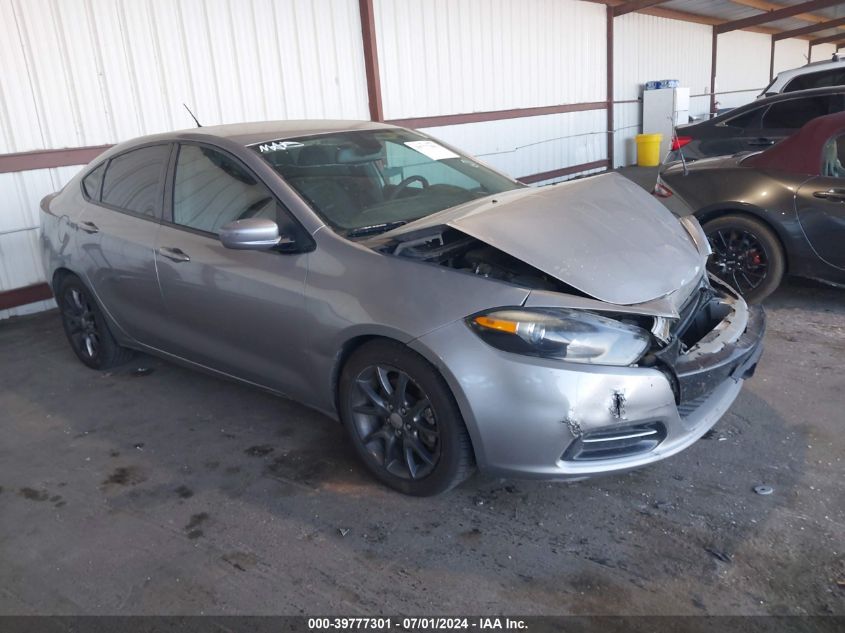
(447, 315)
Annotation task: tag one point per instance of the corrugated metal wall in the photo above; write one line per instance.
(91, 72)
(790, 53)
(823, 52)
(442, 57)
(647, 47)
(742, 67)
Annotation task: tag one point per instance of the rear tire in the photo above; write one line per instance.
(403, 420)
(747, 255)
(86, 328)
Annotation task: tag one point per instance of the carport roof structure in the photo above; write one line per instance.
(808, 19)
(818, 21)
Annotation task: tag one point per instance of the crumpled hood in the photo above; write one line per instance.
(603, 235)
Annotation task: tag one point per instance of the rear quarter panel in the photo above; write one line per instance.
(714, 191)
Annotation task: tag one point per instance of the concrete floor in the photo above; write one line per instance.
(173, 492)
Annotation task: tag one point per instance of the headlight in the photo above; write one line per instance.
(571, 335)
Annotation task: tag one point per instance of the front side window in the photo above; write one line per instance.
(364, 182)
(134, 180)
(212, 189)
(833, 158)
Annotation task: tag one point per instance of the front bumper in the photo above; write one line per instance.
(533, 417)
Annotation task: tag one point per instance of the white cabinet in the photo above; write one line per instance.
(663, 109)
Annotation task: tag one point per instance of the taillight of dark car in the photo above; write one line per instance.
(679, 141)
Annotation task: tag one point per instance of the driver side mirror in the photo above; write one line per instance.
(252, 234)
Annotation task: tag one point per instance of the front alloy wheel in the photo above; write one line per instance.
(403, 420)
(395, 421)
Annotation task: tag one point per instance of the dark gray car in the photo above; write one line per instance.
(756, 125)
(771, 213)
(448, 315)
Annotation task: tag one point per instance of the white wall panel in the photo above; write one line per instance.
(90, 72)
(442, 57)
(742, 67)
(790, 53)
(531, 145)
(822, 52)
(645, 48)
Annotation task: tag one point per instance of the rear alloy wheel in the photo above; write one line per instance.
(403, 420)
(86, 328)
(746, 255)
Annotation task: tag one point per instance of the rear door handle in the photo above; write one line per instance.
(89, 227)
(761, 142)
(834, 195)
(174, 254)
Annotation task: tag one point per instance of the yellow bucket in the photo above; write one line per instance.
(648, 149)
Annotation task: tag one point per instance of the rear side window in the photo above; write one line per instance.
(820, 79)
(794, 113)
(91, 183)
(747, 120)
(134, 180)
(212, 189)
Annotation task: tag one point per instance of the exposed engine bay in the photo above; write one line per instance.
(459, 251)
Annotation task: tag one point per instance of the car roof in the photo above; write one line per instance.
(809, 68)
(254, 132)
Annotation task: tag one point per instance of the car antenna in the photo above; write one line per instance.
(192, 115)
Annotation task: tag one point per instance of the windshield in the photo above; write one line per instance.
(366, 182)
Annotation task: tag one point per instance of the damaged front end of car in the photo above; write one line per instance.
(597, 370)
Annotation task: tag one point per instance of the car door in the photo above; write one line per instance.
(820, 205)
(241, 312)
(116, 237)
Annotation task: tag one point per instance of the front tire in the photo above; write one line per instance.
(86, 328)
(747, 255)
(403, 420)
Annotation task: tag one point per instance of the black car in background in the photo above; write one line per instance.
(756, 125)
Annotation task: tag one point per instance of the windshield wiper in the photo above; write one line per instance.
(374, 229)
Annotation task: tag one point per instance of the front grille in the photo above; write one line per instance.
(620, 441)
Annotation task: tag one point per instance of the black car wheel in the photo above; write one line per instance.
(86, 328)
(403, 420)
(746, 254)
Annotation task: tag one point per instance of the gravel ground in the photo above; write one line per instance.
(170, 492)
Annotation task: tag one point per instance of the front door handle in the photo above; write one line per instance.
(89, 227)
(174, 254)
(834, 195)
(761, 142)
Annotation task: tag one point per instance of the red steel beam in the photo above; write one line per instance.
(23, 296)
(827, 40)
(496, 115)
(47, 158)
(778, 14)
(633, 5)
(368, 33)
(806, 30)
